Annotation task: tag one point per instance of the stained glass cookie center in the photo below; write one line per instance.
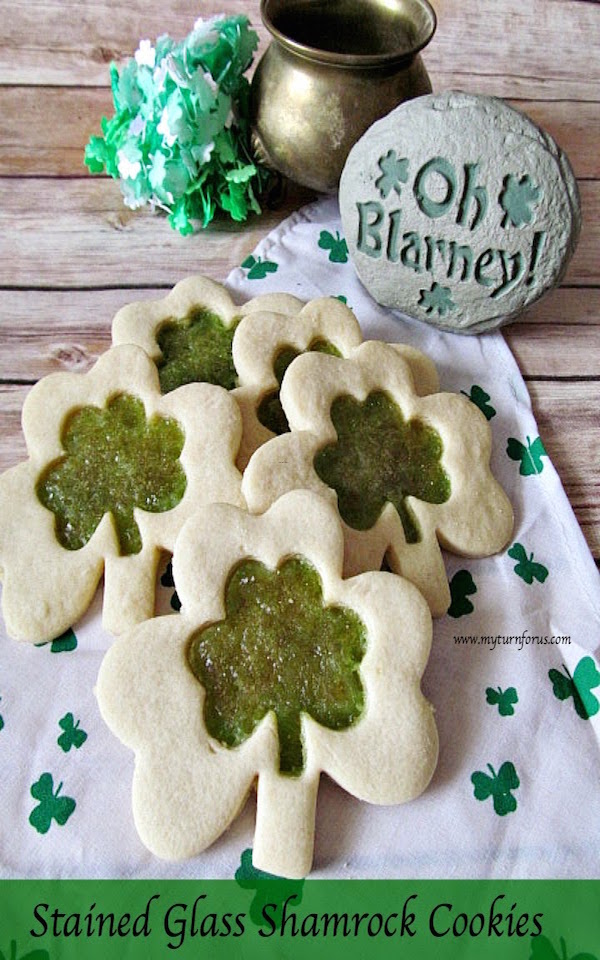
(115, 460)
(196, 349)
(279, 649)
(270, 411)
(380, 458)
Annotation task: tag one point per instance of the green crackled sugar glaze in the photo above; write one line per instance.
(196, 349)
(279, 649)
(115, 460)
(270, 412)
(381, 458)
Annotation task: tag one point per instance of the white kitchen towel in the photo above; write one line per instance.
(512, 673)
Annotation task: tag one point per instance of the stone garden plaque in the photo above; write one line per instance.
(458, 210)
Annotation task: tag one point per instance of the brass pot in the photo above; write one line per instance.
(332, 69)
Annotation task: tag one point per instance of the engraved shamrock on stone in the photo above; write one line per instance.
(394, 172)
(438, 299)
(401, 469)
(276, 669)
(114, 470)
(518, 199)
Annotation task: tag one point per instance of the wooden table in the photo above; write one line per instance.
(71, 254)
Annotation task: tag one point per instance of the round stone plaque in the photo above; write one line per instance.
(458, 210)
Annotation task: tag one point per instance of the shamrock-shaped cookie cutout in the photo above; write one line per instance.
(404, 471)
(196, 333)
(114, 470)
(264, 346)
(275, 670)
(189, 333)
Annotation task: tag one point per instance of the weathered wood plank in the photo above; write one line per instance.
(65, 42)
(556, 351)
(77, 233)
(45, 129)
(32, 116)
(565, 306)
(45, 331)
(566, 418)
(538, 50)
(584, 268)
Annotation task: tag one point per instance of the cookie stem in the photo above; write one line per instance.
(285, 824)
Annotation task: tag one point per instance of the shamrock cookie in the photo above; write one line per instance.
(403, 470)
(265, 345)
(276, 669)
(189, 332)
(197, 333)
(114, 470)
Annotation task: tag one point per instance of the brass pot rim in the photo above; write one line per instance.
(336, 58)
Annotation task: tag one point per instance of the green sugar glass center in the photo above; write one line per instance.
(380, 458)
(115, 460)
(270, 412)
(196, 349)
(279, 649)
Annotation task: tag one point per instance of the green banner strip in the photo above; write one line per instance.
(256, 917)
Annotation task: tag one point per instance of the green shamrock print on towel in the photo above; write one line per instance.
(579, 686)
(462, 586)
(504, 699)
(542, 949)
(168, 581)
(32, 955)
(51, 805)
(480, 398)
(269, 889)
(72, 735)
(530, 456)
(66, 643)
(258, 268)
(526, 568)
(498, 786)
(337, 246)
